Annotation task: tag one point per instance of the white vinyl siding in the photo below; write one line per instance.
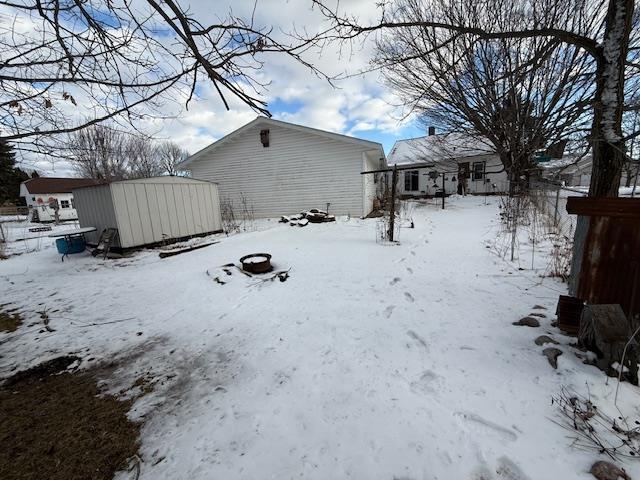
(298, 170)
(492, 173)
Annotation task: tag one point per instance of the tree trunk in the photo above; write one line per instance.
(606, 133)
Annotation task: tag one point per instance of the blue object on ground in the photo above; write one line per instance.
(70, 245)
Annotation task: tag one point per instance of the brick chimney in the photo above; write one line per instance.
(432, 131)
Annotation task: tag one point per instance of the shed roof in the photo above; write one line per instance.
(40, 185)
(158, 180)
(366, 144)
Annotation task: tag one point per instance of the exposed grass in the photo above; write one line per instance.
(9, 321)
(59, 426)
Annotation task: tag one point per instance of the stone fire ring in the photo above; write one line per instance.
(256, 263)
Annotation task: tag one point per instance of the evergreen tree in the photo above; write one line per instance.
(10, 175)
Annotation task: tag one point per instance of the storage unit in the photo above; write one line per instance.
(150, 210)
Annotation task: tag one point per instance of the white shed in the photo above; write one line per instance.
(280, 168)
(150, 210)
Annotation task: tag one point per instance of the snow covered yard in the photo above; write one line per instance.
(369, 362)
(20, 240)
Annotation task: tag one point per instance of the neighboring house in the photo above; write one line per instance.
(42, 193)
(279, 168)
(572, 170)
(469, 165)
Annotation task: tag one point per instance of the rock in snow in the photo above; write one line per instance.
(608, 471)
(527, 322)
(552, 355)
(542, 339)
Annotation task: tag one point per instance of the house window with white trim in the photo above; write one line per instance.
(411, 181)
(64, 203)
(478, 170)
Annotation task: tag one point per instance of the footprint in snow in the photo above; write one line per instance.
(427, 383)
(508, 470)
(394, 281)
(484, 425)
(409, 297)
(413, 253)
(418, 338)
(409, 269)
(389, 310)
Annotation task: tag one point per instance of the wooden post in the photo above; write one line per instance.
(392, 208)
(443, 175)
(555, 210)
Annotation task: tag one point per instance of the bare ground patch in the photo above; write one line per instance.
(10, 320)
(60, 426)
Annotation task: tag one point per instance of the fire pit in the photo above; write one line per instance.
(256, 263)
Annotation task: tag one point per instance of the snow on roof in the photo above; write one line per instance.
(568, 164)
(436, 148)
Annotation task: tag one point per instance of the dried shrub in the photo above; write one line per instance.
(594, 430)
(229, 222)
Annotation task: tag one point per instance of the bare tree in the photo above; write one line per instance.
(170, 154)
(98, 152)
(69, 65)
(601, 28)
(142, 157)
(516, 95)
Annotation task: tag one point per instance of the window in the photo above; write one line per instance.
(411, 181)
(33, 199)
(478, 170)
(64, 203)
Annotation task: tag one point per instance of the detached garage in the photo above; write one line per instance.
(280, 168)
(150, 210)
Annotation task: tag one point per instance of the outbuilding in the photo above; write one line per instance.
(148, 211)
(277, 168)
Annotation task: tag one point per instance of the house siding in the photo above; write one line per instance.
(298, 171)
(493, 168)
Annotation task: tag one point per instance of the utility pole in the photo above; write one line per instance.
(443, 175)
(392, 208)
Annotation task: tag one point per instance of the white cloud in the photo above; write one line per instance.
(358, 104)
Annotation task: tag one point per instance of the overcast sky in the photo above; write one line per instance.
(360, 106)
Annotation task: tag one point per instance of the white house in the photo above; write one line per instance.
(42, 193)
(281, 168)
(468, 165)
